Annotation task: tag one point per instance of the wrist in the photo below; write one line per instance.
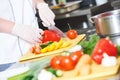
(37, 2)
(42, 5)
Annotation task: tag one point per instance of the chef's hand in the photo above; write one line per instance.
(28, 33)
(46, 14)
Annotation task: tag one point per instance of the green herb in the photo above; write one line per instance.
(88, 45)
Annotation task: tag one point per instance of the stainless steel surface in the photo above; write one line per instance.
(57, 30)
(69, 6)
(108, 24)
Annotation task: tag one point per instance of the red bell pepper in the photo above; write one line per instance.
(50, 36)
(104, 45)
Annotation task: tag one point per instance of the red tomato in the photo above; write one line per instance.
(66, 63)
(75, 56)
(72, 34)
(55, 62)
(104, 45)
(50, 36)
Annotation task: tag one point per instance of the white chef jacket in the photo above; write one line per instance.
(21, 12)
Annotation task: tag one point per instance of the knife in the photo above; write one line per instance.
(57, 30)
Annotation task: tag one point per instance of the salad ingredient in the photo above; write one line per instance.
(35, 49)
(85, 59)
(80, 68)
(88, 45)
(58, 44)
(56, 72)
(32, 73)
(45, 75)
(59, 73)
(44, 50)
(97, 58)
(51, 47)
(109, 60)
(85, 70)
(75, 48)
(75, 56)
(55, 62)
(104, 45)
(50, 36)
(66, 63)
(65, 44)
(72, 34)
(45, 44)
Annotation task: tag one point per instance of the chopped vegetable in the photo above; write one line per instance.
(45, 44)
(65, 44)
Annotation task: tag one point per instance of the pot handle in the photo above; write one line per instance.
(91, 19)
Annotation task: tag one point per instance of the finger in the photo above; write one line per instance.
(41, 32)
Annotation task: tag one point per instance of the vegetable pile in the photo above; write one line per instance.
(75, 62)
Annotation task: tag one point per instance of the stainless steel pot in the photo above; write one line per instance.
(108, 24)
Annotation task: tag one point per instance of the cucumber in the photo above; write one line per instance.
(57, 73)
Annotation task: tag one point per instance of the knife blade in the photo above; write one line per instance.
(57, 30)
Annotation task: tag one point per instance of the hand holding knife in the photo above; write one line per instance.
(57, 30)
